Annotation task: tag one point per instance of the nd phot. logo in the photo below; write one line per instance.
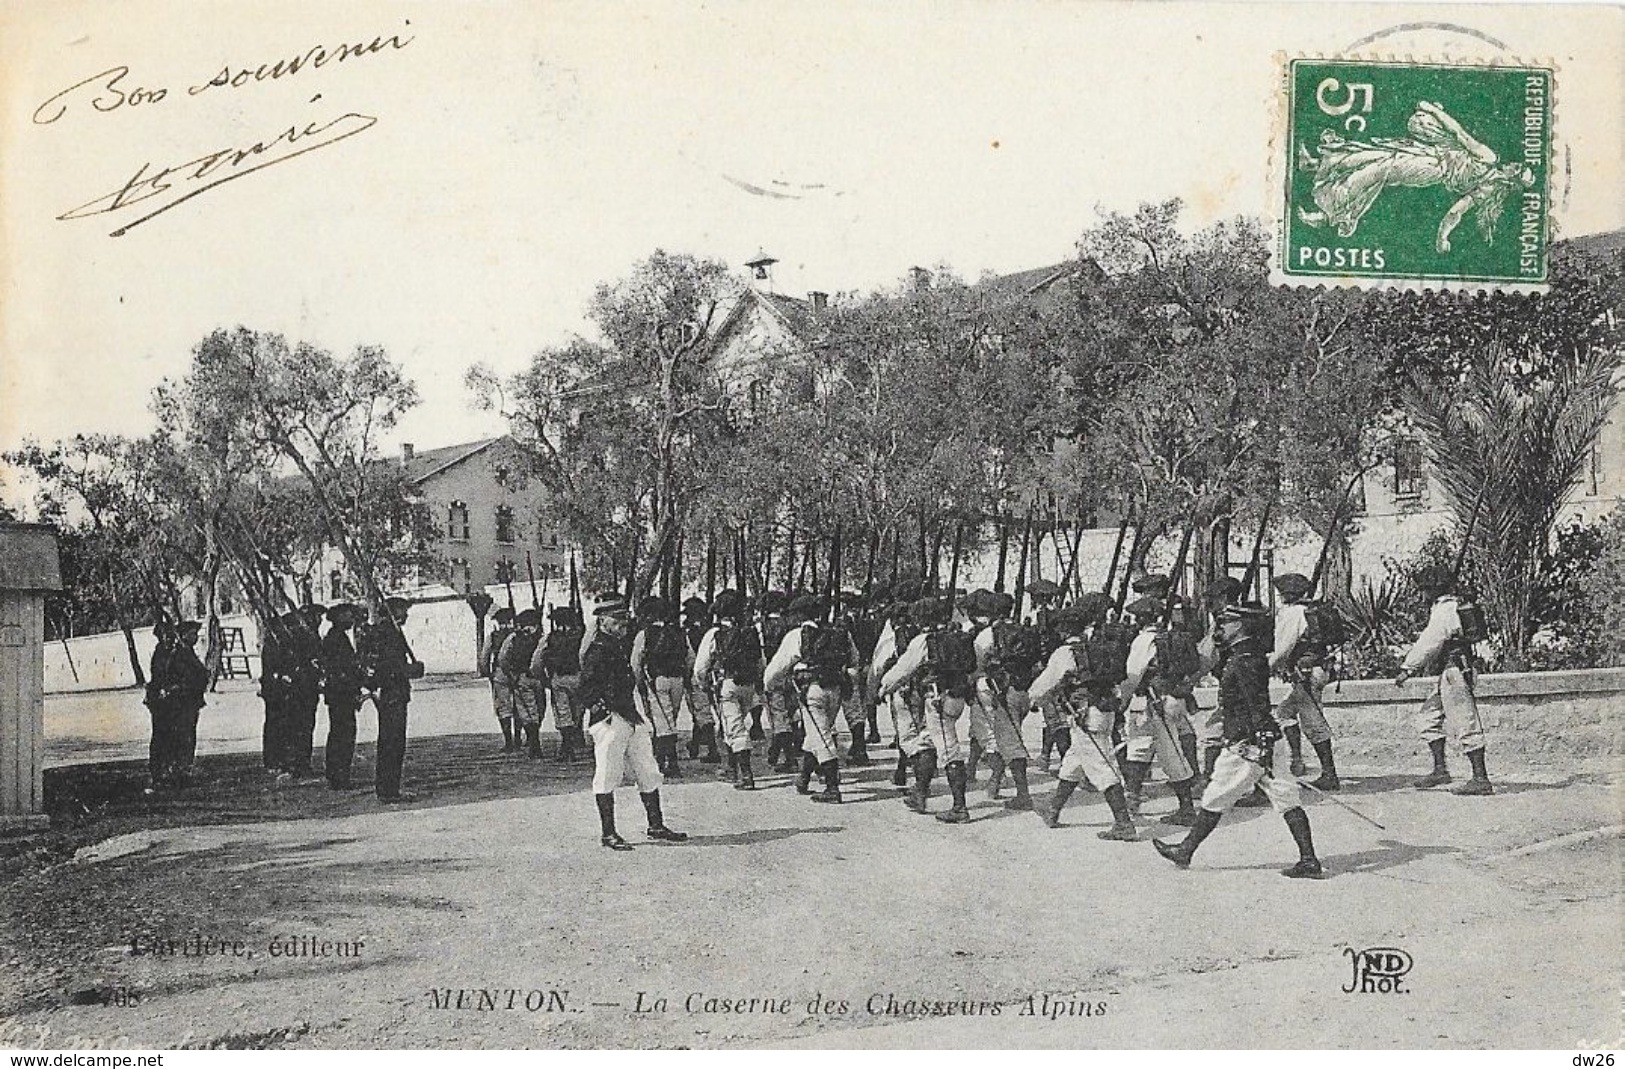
(1378, 971)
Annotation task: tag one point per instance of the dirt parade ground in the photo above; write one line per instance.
(486, 914)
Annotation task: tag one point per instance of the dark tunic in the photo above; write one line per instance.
(606, 679)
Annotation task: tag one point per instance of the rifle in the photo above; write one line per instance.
(710, 568)
(896, 555)
(1117, 550)
(835, 576)
(1467, 535)
(535, 600)
(953, 569)
(1021, 565)
(1072, 561)
(1128, 571)
(1331, 531)
(507, 584)
(575, 586)
(869, 569)
(1250, 576)
(1178, 572)
(1004, 549)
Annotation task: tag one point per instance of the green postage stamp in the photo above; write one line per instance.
(1415, 175)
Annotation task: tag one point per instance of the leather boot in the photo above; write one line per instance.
(899, 778)
(1180, 853)
(995, 778)
(607, 836)
(508, 745)
(672, 769)
(831, 793)
(858, 755)
(1018, 776)
(1308, 864)
(775, 748)
(533, 740)
(975, 760)
(804, 779)
(711, 756)
(730, 771)
(1210, 757)
(958, 781)
(746, 781)
(1187, 748)
(1294, 744)
(1440, 774)
(1063, 742)
(694, 742)
(1044, 750)
(1134, 774)
(1480, 783)
(657, 823)
(1051, 813)
(567, 741)
(1122, 829)
(1185, 815)
(1327, 781)
(756, 732)
(925, 767)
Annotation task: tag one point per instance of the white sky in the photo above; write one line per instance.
(525, 152)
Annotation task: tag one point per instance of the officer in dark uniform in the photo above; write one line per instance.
(341, 669)
(620, 735)
(160, 703)
(276, 651)
(191, 683)
(389, 667)
(304, 668)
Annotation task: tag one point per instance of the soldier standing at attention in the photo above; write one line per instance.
(1299, 657)
(389, 668)
(342, 670)
(659, 662)
(304, 668)
(561, 657)
(1250, 733)
(944, 658)
(191, 684)
(160, 703)
(1445, 647)
(276, 651)
(529, 696)
(729, 663)
(501, 688)
(620, 736)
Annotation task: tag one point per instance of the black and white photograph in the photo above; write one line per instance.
(952, 524)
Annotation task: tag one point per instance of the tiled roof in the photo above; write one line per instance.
(427, 462)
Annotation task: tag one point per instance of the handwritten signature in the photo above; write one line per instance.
(178, 183)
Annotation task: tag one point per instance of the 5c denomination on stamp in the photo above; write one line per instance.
(1415, 175)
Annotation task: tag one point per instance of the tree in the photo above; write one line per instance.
(616, 428)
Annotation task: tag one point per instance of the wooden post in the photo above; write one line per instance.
(29, 568)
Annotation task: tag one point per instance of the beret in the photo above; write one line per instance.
(1291, 584)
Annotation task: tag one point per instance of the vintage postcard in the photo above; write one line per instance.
(937, 524)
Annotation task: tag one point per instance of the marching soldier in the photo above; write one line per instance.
(620, 735)
(905, 704)
(660, 665)
(388, 667)
(1299, 657)
(529, 693)
(1152, 728)
(779, 705)
(304, 688)
(1445, 648)
(341, 669)
(1080, 678)
(1224, 592)
(1250, 734)
(1008, 658)
(729, 664)
(561, 660)
(1057, 734)
(502, 701)
(1180, 622)
(812, 663)
(943, 658)
(859, 711)
(979, 613)
(701, 709)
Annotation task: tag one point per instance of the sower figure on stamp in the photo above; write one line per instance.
(620, 736)
(191, 684)
(940, 660)
(1081, 678)
(529, 694)
(341, 669)
(501, 688)
(1445, 647)
(812, 661)
(1250, 733)
(729, 662)
(1152, 723)
(388, 667)
(1300, 657)
(561, 656)
(701, 708)
(659, 662)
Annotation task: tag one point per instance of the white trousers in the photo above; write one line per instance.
(944, 725)
(1234, 777)
(1153, 730)
(1004, 713)
(734, 703)
(663, 701)
(617, 743)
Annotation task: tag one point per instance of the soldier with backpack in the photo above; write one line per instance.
(1160, 666)
(815, 661)
(701, 709)
(1080, 678)
(941, 661)
(1008, 658)
(561, 658)
(501, 689)
(660, 665)
(905, 705)
(1445, 648)
(1044, 596)
(729, 663)
(1306, 634)
(529, 696)
(779, 705)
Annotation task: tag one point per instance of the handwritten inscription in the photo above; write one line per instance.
(113, 89)
(174, 184)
